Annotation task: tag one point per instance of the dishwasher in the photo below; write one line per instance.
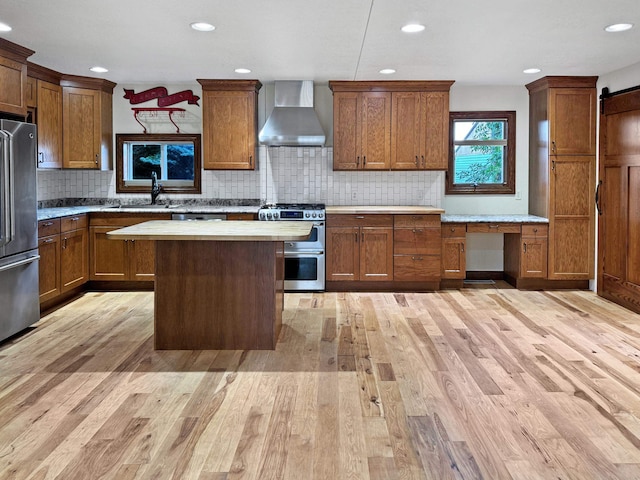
(199, 216)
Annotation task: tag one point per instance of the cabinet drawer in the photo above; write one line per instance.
(372, 220)
(493, 228)
(535, 230)
(73, 222)
(416, 220)
(416, 267)
(454, 229)
(48, 227)
(425, 241)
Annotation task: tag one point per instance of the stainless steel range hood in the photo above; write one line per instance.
(293, 121)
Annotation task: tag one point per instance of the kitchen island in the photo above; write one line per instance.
(218, 285)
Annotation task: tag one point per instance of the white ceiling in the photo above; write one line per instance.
(472, 42)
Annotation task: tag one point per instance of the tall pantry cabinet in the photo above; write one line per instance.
(562, 149)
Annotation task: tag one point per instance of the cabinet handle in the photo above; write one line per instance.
(48, 224)
(462, 247)
(74, 219)
(40, 157)
(553, 165)
(416, 160)
(535, 230)
(48, 240)
(359, 217)
(419, 230)
(453, 229)
(64, 242)
(250, 160)
(494, 226)
(598, 198)
(364, 160)
(96, 158)
(553, 146)
(357, 161)
(356, 237)
(524, 247)
(424, 164)
(417, 258)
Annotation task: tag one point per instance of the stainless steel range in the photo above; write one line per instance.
(304, 264)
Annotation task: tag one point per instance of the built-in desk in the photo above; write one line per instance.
(525, 247)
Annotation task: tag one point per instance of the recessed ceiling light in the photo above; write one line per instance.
(202, 26)
(4, 27)
(99, 69)
(242, 70)
(618, 27)
(412, 28)
(531, 70)
(387, 71)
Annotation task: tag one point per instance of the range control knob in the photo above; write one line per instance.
(320, 215)
(313, 215)
(276, 215)
(269, 216)
(306, 215)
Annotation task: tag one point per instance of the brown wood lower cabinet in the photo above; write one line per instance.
(454, 263)
(525, 254)
(63, 248)
(359, 247)
(123, 260)
(416, 248)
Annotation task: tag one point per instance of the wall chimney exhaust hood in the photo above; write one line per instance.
(293, 121)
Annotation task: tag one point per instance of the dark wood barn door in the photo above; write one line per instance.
(619, 200)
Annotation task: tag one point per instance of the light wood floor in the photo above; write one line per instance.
(478, 383)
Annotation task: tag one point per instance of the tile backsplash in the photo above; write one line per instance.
(285, 174)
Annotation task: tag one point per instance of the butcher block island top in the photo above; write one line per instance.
(384, 209)
(219, 285)
(238, 231)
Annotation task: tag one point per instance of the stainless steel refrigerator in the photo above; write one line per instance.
(19, 296)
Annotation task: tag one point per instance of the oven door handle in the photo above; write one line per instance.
(303, 253)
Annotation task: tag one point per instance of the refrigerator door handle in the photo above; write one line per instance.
(6, 213)
(19, 263)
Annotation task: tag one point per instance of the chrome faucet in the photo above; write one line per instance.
(156, 188)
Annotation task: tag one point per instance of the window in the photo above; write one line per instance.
(482, 152)
(175, 158)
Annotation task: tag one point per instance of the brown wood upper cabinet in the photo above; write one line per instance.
(562, 135)
(397, 125)
(49, 121)
(229, 124)
(87, 119)
(13, 77)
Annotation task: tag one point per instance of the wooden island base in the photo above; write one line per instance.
(218, 295)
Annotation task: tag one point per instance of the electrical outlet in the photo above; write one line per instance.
(518, 195)
(354, 195)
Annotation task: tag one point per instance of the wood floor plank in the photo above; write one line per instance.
(490, 382)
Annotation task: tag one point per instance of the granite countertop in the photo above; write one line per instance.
(504, 218)
(215, 231)
(47, 213)
(384, 209)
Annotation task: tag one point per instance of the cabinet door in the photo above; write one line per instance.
(346, 131)
(49, 250)
(342, 254)
(73, 259)
(229, 122)
(534, 257)
(406, 131)
(49, 125)
(375, 131)
(82, 127)
(454, 263)
(142, 255)
(109, 258)
(572, 121)
(435, 130)
(13, 78)
(572, 218)
(376, 253)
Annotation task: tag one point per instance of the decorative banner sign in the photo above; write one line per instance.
(161, 93)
